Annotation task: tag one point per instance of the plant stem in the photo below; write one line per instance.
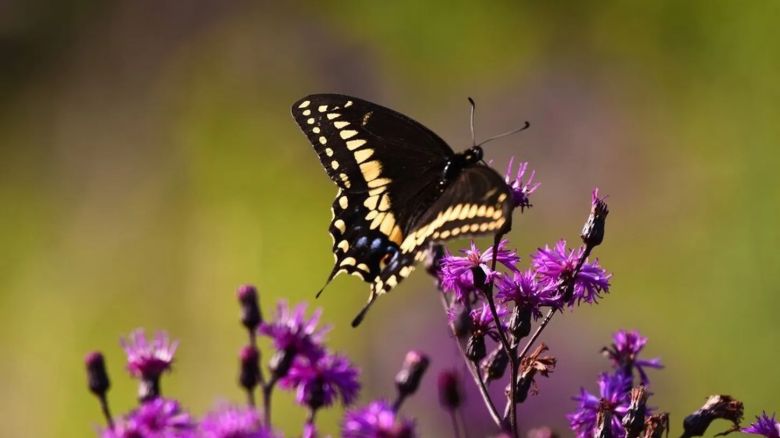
(474, 374)
(267, 389)
(455, 428)
(106, 411)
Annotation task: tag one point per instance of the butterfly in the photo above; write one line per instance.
(400, 188)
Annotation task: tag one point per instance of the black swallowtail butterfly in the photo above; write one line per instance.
(401, 187)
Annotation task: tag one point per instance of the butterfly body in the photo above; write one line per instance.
(401, 187)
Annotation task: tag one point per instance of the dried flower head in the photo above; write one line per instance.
(717, 406)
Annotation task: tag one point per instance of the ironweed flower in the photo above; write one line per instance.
(145, 359)
(156, 418)
(555, 264)
(377, 420)
(521, 190)
(614, 391)
(764, 425)
(527, 292)
(233, 422)
(293, 333)
(318, 383)
(455, 273)
(624, 352)
(481, 319)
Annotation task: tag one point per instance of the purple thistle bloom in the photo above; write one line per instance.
(377, 420)
(456, 275)
(292, 332)
(233, 422)
(146, 359)
(526, 292)
(157, 418)
(764, 425)
(624, 353)
(521, 190)
(552, 265)
(615, 391)
(319, 382)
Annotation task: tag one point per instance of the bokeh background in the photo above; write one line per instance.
(149, 165)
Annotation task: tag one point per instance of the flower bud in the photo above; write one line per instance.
(593, 230)
(251, 317)
(408, 379)
(520, 322)
(475, 348)
(281, 362)
(461, 325)
(634, 420)
(716, 406)
(97, 377)
(250, 368)
(495, 365)
(450, 395)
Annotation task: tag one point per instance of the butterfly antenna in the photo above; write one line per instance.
(362, 314)
(506, 134)
(471, 121)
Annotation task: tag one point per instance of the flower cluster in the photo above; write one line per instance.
(615, 390)
(301, 363)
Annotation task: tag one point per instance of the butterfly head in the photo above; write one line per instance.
(472, 155)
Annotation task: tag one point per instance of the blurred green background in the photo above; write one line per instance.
(149, 165)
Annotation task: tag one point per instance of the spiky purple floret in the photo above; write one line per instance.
(291, 331)
(764, 425)
(615, 389)
(156, 418)
(148, 359)
(326, 378)
(481, 317)
(553, 264)
(377, 420)
(456, 271)
(524, 289)
(233, 422)
(521, 190)
(624, 354)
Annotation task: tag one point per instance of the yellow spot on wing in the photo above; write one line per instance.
(378, 182)
(329, 152)
(343, 245)
(340, 125)
(343, 202)
(322, 108)
(385, 204)
(310, 120)
(387, 224)
(340, 225)
(370, 202)
(354, 144)
(392, 281)
(363, 154)
(323, 140)
(371, 170)
(332, 116)
(304, 104)
(464, 212)
(334, 164)
(349, 261)
(347, 134)
(396, 235)
(307, 112)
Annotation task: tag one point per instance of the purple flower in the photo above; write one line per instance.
(233, 422)
(526, 292)
(456, 275)
(147, 359)
(521, 190)
(764, 425)
(481, 318)
(377, 420)
(319, 382)
(552, 265)
(615, 391)
(157, 418)
(291, 331)
(624, 353)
